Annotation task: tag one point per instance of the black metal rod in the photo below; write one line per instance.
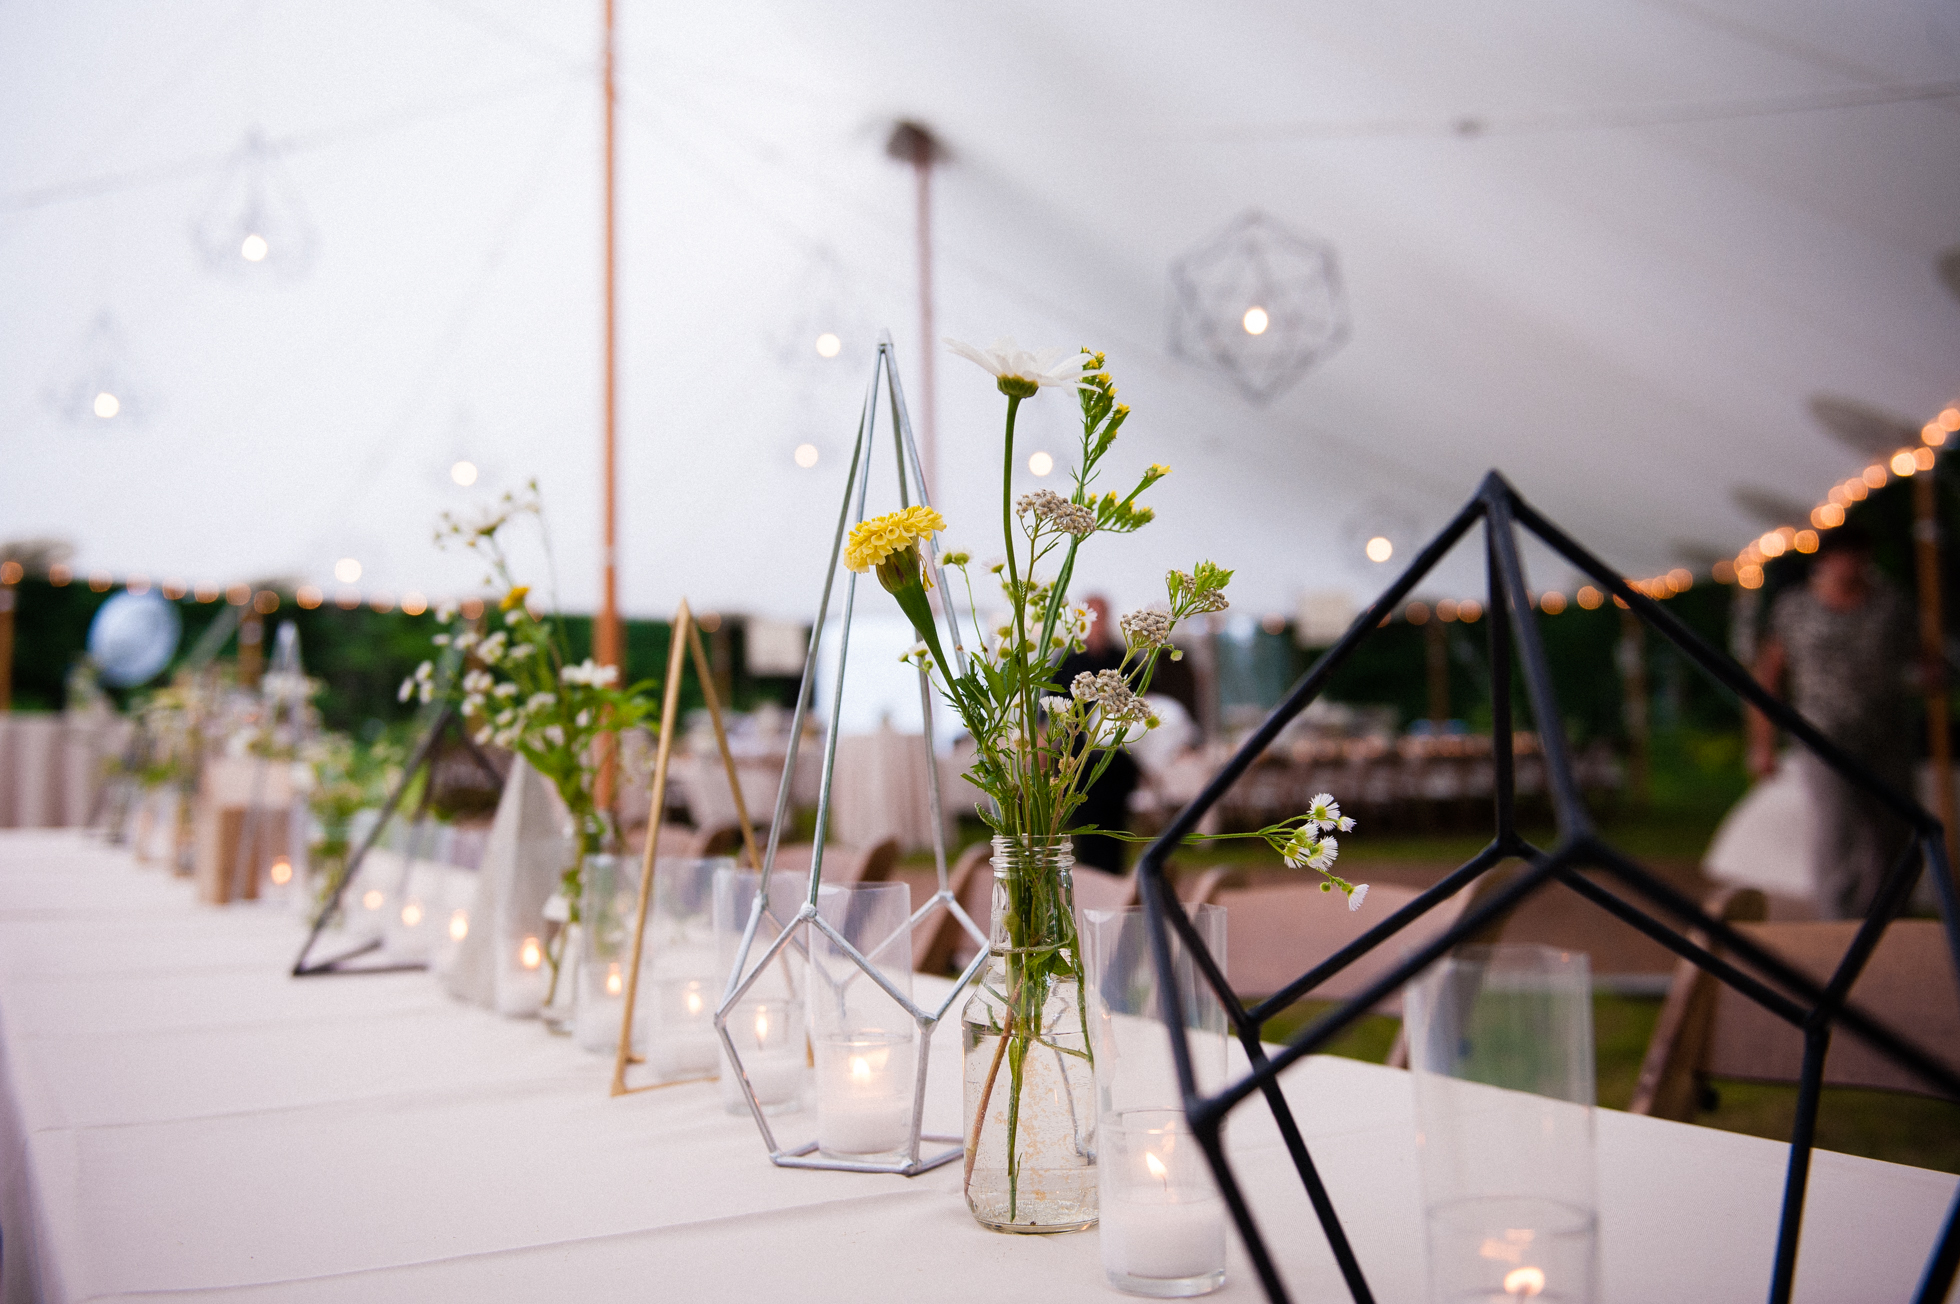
(1434, 896)
(1503, 753)
(1885, 906)
(1213, 1145)
(1567, 805)
(1775, 1002)
(1937, 1280)
(1330, 1024)
(1727, 672)
(1796, 1177)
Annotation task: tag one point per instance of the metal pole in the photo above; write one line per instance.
(606, 641)
(914, 144)
(1932, 647)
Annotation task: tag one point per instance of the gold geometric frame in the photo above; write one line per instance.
(687, 636)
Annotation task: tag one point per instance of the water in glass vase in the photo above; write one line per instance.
(1029, 1073)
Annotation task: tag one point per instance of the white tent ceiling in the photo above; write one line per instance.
(1612, 249)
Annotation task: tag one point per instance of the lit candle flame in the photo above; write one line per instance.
(693, 998)
(761, 1025)
(614, 983)
(860, 1070)
(459, 925)
(530, 955)
(1524, 1282)
(282, 871)
(373, 898)
(412, 914)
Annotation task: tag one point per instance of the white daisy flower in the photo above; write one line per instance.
(1021, 372)
(1324, 810)
(1356, 897)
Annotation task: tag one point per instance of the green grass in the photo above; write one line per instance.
(1888, 1125)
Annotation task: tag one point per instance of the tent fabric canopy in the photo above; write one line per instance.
(1613, 250)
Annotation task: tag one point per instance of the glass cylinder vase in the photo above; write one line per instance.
(1501, 1048)
(1028, 1069)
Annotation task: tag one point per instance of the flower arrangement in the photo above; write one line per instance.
(520, 690)
(1041, 744)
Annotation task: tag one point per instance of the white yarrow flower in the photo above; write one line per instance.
(1007, 361)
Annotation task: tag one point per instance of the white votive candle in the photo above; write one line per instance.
(864, 1094)
(682, 1041)
(769, 1037)
(1163, 1224)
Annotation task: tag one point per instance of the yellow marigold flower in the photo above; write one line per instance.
(878, 538)
(514, 598)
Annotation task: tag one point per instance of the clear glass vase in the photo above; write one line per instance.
(1029, 1071)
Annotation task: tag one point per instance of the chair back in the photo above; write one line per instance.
(1908, 985)
(1708, 1029)
(843, 865)
(936, 945)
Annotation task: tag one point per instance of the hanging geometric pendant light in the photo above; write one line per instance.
(1259, 303)
(96, 385)
(254, 223)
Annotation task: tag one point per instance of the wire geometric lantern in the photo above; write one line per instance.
(254, 221)
(99, 387)
(795, 931)
(1782, 989)
(1259, 303)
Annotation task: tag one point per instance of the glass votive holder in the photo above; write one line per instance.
(767, 1025)
(1501, 1053)
(682, 978)
(1163, 1223)
(866, 1043)
(609, 899)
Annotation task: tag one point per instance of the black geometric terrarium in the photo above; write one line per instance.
(1626, 890)
(1258, 303)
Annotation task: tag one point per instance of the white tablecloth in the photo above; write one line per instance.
(177, 1116)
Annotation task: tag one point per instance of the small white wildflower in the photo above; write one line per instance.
(426, 692)
(440, 640)
(425, 672)
(583, 719)
(1356, 897)
(407, 689)
(505, 689)
(1057, 705)
(514, 615)
(1324, 810)
(478, 682)
(541, 701)
(555, 735)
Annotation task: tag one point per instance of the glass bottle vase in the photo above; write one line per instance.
(1028, 1069)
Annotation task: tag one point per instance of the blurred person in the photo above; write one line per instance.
(1106, 803)
(1840, 650)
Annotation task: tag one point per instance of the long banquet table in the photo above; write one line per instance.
(179, 1118)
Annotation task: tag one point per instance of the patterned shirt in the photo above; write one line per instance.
(1847, 669)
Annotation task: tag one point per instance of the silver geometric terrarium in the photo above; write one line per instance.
(1258, 303)
(847, 968)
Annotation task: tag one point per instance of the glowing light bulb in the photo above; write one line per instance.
(1552, 602)
(463, 473)
(1255, 321)
(254, 249)
(860, 1071)
(1524, 1282)
(1041, 463)
(615, 982)
(412, 914)
(107, 405)
(1902, 463)
(828, 345)
(347, 570)
(1380, 549)
(806, 455)
(373, 898)
(281, 871)
(459, 925)
(530, 954)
